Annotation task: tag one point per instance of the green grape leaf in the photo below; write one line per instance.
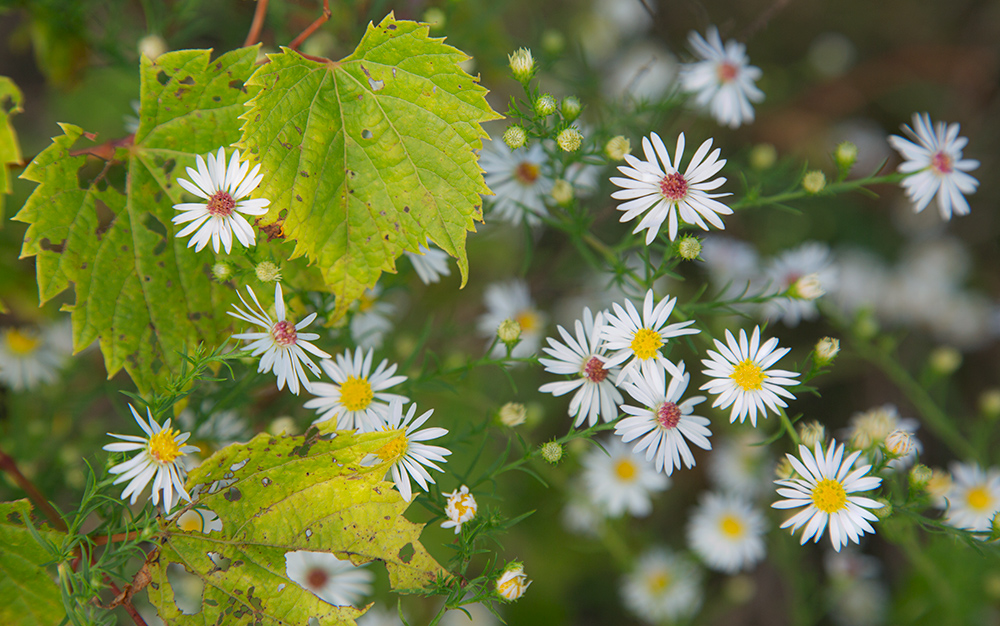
(10, 151)
(276, 495)
(371, 155)
(28, 594)
(104, 224)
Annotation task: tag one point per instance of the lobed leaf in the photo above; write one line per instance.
(10, 150)
(28, 594)
(370, 156)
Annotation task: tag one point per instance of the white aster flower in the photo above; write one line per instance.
(380, 616)
(869, 430)
(620, 481)
(742, 377)
(159, 460)
(520, 181)
(407, 454)
(430, 265)
(727, 532)
(825, 484)
(722, 80)
(936, 166)
(741, 465)
(29, 358)
(511, 300)
(640, 338)
(583, 357)
(372, 319)
(358, 399)
(802, 275)
(460, 508)
(199, 520)
(663, 424)
(512, 583)
(219, 217)
(663, 587)
(335, 581)
(665, 194)
(973, 497)
(282, 345)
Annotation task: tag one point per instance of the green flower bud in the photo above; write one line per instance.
(814, 182)
(515, 137)
(552, 452)
(845, 155)
(571, 108)
(689, 248)
(545, 105)
(763, 156)
(569, 140)
(617, 147)
(522, 65)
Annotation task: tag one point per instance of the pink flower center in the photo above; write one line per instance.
(284, 333)
(668, 415)
(673, 186)
(316, 578)
(942, 163)
(727, 72)
(594, 370)
(221, 204)
(526, 173)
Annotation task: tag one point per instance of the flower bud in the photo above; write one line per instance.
(989, 403)
(784, 470)
(900, 443)
(562, 192)
(885, 511)
(522, 65)
(267, 272)
(222, 271)
(509, 331)
(569, 139)
(617, 147)
(920, 475)
(811, 433)
(435, 18)
(460, 508)
(152, 46)
(571, 108)
(553, 42)
(545, 105)
(515, 137)
(763, 156)
(845, 155)
(807, 287)
(512, 583)
(814, 182)
(945, 360)
(826, 350)
(552, 452)
(283, 425)
(689, 248)
(513, 414)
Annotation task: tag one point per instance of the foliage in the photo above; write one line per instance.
(28, 594)
(10, 151)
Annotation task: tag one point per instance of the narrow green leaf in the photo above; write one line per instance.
(371, 155)
(28, 594)
(10, 150)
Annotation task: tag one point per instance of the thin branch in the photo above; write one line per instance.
(312, 27)
(126, 602)
(258, 23)
(8, 464)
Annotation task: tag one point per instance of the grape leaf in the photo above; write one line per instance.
(371, 155)
(28, 594)
(280, 494)
(104, 223)
(10, 151)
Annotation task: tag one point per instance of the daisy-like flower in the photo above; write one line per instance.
(512, 583)
(358, 399)
(973, 497)
(460, 508)
(430, 265)
(825, 484)
(29, 358)
(663, 587)
(742, 377)
(936, 167)
(511, 300)
(200, 520)
(407, 453)
(223, 189)
(282, 345)
(802, 275)
(665, 194)
(620, 481)
(727, 532)
(640, 338)
(584, 358)
(519, 180)
(335, 581)
(722, 78)
(663, 424)
(159, 460)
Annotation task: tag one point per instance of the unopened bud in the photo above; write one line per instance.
(763, 156)
(845, 155)
(807, 287)
(945, 360)
(920, 475)
(152, 46)
(826, 350)
(513, 414)
(812, 433)
(552, 452)
(989, 403)
(515, 137)
(885, 511)
(283, 425)
(562, 191)
(553, 42)
(222, 271)
(512, 583)
(617, 147)
(784, 470)
(569, 139)
(814, 182)
(900, 443)
(545, 105)
(571, 108)
(689, 248)
(267, 272)
(509, 331)
(522, 65)
(435, 18)
(866, 326)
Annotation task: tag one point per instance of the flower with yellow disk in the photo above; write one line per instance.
(406, 454)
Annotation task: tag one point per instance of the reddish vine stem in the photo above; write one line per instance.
(319, 21)
(8, 465)
(258, 23)
(127, 603)
(104, 539)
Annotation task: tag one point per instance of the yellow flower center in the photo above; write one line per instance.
(528, 321)
(748, 375)
(462, 508)
(190, 521)
(394, 449)
(731, 526)
(829, 496)
(625, 469)
(646, 342)
(163, 448)
(21, 343)
(356, 394)
(366, 302)
(978, 498)
(657, 582)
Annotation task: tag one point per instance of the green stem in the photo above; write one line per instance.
(831, 189)
(789, 428)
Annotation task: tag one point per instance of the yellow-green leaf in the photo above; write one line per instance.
(28, 594)
(10, 151)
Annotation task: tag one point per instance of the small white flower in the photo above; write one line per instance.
(973, 497)
(727, 532)
(358, 398)
(664, 425)
(511, 300)
(29, 358)
(742, 378)
(159, 460)
(802, 275)
(372, 319)
(620, 481)
(460, 508)
(430, 265)
(282, 345)
(199, 520)
(665, 194)
(663, 587)
(741, 465)
(520, 181)
(512, 583)
(824, 487)
(722, 80)
(333, 580)
(407, 454)
(936, 166)
(223, 188)
(640, 338)
(584, 358)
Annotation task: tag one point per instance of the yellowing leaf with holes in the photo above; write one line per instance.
(10, 150)
(371, 155)
(276, 495)
(29, 595)
(103, 223)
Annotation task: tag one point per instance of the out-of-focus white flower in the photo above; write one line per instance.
(199, 519)
(620, 481)
(333, 580)
(973, 496)
(29, 358)
(663, 587)
(431, 264)
(870, 429)
(520, 180)
(726, 531)
(642, 72)
(804, 274)
(722, 79)
(372, 319)
(732, 264)
(740, 465)
(511, 300)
